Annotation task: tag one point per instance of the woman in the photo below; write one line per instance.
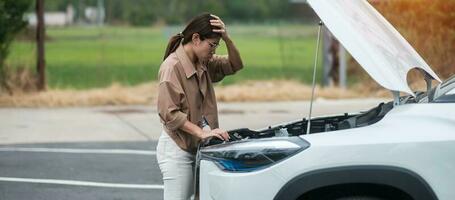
(186, 99)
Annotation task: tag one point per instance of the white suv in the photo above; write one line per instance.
(403, 149)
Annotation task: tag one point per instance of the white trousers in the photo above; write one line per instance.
(177, 168)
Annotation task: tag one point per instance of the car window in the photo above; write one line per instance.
(448, 82)
(447, 97)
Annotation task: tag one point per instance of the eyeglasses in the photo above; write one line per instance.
(213, 45)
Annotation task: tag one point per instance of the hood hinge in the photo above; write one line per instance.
(396, 98)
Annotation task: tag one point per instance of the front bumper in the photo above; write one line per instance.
(216, 184)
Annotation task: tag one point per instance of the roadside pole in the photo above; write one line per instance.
(334, 61)
(40, 34)
(343, 67)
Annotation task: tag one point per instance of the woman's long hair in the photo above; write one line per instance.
(199, 24)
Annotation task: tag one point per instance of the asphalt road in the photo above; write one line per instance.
(80, 171)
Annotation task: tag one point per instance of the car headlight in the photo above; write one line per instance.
(251, 155)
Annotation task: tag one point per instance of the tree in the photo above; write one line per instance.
(11, 22)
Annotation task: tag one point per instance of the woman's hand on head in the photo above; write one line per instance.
(221, 26)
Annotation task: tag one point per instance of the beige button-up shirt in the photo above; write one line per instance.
(186, 93)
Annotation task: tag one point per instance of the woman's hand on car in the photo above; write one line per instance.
(218, 133)
(221, 133)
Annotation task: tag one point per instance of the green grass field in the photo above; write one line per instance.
(89, 57)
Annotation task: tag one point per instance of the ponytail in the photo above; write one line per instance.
(173, 44)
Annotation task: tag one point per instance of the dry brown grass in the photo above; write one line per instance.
(113, 95)
(281, 90)
(147, 93)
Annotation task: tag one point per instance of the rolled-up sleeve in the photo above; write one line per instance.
(169, 106)
(219, 67)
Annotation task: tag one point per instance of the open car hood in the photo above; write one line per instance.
(372, 41)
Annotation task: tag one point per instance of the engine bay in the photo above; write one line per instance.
(318, 125)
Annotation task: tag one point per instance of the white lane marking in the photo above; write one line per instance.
(82, 183)
(65, 150)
